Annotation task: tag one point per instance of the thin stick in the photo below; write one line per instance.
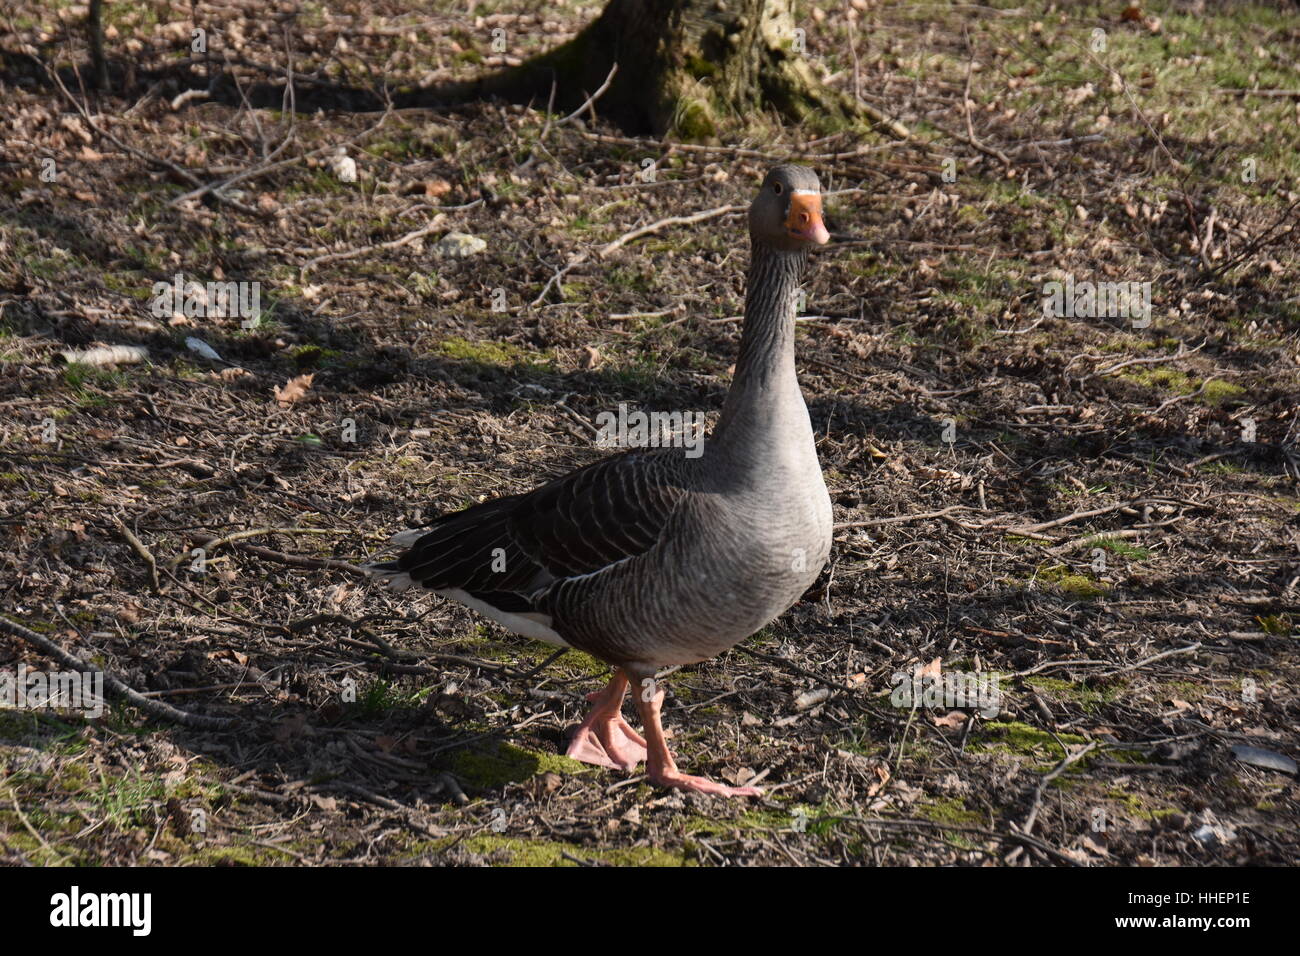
(1190, 648)
(1155, 360)
(665, 223)
(145, 554)
(158, 161)
(900, 519)
(600, 91)
(1028, 827)
(213, 543)
(437, 222)
(300, 561)
(115, 686)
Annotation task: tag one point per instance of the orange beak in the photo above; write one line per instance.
(805, 218)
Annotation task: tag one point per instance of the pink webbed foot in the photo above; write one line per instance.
(684, 781)
(660, 766)
(607, 743)
(605, 738)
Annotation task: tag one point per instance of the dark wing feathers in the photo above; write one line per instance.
(578, 524)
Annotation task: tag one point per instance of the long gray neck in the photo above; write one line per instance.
(765, 384)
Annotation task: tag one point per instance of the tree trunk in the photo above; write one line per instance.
(684, 67)
(95, 37)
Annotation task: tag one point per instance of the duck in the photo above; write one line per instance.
(659, 557)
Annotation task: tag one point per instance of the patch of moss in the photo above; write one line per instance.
(1120, 547)
(951, 811)
(1277, 624)
(1138, 805)
(313, 356)
(521, 852)
(817, 820)
(699, 67)
(235, 855)
(1218, 392)
(494, 354)
(694, 121)
(1078, 586)
(576, 661)
(1214, 391)
(509, 764)
(1021, 739)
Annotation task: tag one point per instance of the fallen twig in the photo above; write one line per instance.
(665, 223)
(115, 686)
(591, 100)
(145, 554)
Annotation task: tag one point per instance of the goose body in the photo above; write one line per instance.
(652, 558)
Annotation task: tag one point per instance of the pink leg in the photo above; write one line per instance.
(604, 738)
(659, 761)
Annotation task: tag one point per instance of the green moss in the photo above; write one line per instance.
(313, 356)
(694, 121)
(81, 378)
(1222, 468)
(950, 810)
(578, 662)
(520, 852)
(486, 352)
(818, 820)
(1089, 698)
(1278, 624)
(1118, 546)
(699, 67)
(1214, 391)
(1021, 739)
(241, 854)
(1078, 586)
(509, 764)
(1218, 392)
(1138, 805)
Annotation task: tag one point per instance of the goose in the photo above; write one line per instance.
(653, 558)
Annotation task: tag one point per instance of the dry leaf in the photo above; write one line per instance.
(294, 389)
(811, 698)
(954, 718)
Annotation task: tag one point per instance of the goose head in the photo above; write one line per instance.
(787, 212)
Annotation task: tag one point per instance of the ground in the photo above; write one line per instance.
(1099, 514)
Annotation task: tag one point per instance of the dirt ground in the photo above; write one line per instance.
(1101, 516)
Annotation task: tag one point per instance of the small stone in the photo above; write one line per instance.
(344, 166)
(459, 245)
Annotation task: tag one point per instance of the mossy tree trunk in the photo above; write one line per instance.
(684, 66)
